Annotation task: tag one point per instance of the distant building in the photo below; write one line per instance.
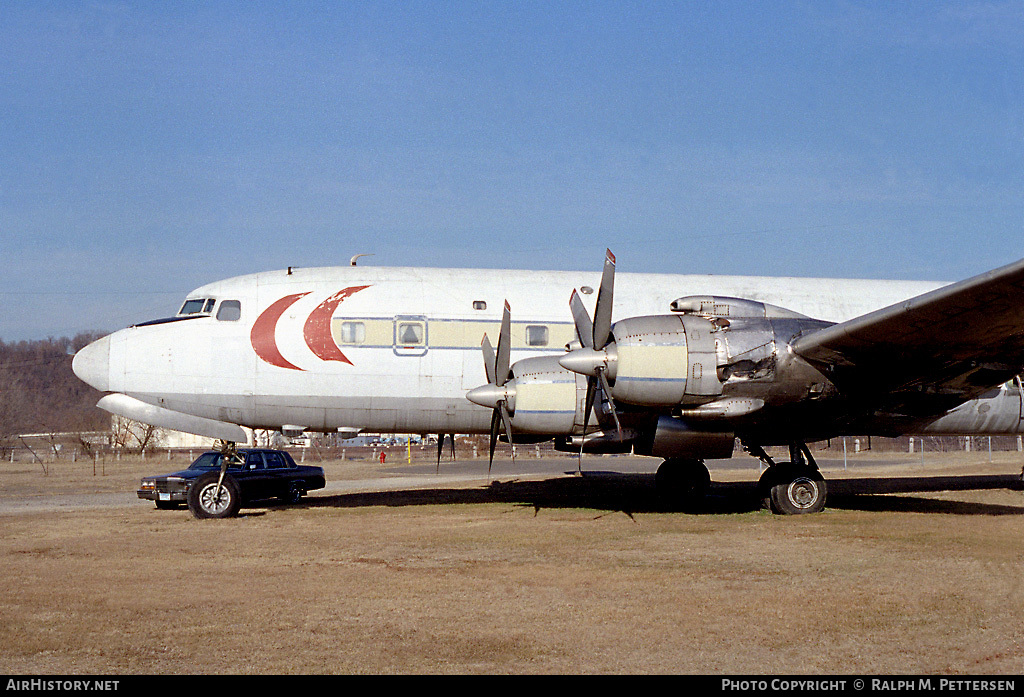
(130, 435)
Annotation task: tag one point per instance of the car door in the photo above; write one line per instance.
(257, 481)
(278, 474)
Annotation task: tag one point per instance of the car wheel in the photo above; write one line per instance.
(295, 493)
(205, 501)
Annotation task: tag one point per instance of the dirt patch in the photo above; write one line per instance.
(567, 575)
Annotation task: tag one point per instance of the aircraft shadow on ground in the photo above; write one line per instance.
(863, 494)
(636, 493)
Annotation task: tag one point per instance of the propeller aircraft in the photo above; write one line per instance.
(676, 367)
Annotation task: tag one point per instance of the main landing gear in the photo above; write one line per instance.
(682, 482)
(790, 488)
(786, 488)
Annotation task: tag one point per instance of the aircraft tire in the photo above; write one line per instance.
(682, 482)
(795, 490)
(204, 503)
(765, 484)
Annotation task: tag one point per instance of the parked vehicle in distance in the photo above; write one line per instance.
(254, 474)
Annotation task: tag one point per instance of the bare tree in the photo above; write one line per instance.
(126, 434)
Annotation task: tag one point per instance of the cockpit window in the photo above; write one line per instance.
(229, 311)
(196, 306)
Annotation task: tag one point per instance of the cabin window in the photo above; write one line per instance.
(536, 335)
(229, 311)
(353, 332)
(209, 306)
(410, 337)
(479, 305)
(410, 333)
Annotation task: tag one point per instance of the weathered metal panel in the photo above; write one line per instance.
(702, 375)
(652, 361)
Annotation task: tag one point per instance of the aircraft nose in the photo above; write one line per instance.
(92, 364)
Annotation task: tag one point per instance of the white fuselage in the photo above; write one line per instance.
(395, 349)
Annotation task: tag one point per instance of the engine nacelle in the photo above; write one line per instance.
(664, 360)
(548, 398)
(675, 438)
(597, 443)
(728, 352)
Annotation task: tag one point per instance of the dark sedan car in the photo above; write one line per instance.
(254, 475)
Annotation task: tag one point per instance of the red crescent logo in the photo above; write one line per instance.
(317, 331)
(262, 336)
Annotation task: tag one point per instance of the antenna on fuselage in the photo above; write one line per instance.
(352, 261)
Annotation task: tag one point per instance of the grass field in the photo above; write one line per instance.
(563, 575)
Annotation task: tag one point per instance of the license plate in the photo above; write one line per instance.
(164, 497)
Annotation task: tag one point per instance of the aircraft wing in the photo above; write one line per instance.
(928, 354)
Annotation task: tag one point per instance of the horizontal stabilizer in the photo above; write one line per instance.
(131, 408)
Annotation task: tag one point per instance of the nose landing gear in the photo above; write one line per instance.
(217, 494)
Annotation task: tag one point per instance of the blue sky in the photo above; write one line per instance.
(148, 148)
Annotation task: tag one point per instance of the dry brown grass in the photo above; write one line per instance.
(565, 576)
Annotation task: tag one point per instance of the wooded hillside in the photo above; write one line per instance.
(40, 394)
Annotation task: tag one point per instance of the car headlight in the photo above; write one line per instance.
(148, 484)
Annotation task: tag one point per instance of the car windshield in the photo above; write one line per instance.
(209, 461)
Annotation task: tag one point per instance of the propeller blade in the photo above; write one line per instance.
(507, 421)
(500, 417)
(580, 316)
(588, 407)
(489, 359)
(606, 388)
(504, 348)
(589, 404)
(603, 310)
(495, 420)
(496, 365)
